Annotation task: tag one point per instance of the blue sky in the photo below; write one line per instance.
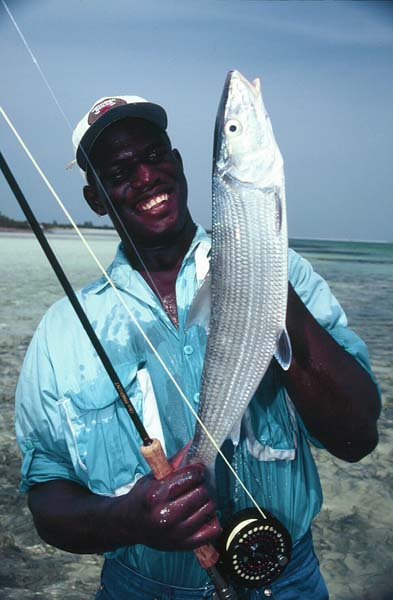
(326, 71)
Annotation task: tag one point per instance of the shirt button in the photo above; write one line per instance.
(188, 350)
(196, 397)
(268, 592)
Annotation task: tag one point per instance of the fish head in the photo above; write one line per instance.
(244, 145)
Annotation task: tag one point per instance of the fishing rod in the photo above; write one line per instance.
(151, 449)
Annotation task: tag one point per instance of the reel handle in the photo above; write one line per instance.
(161, 467)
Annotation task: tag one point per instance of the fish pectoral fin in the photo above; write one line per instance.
(283, 352)
(199, 311)
(234, 434)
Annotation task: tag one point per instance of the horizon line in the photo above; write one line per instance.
(64, 226)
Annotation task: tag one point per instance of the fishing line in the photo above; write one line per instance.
(122, 301)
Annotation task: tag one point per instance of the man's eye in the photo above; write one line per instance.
(155, 155)
(117, 175)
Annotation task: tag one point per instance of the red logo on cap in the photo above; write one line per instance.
(99, 109)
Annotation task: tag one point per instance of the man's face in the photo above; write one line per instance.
(143, 178)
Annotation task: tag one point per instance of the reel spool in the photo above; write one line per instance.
(254, 551)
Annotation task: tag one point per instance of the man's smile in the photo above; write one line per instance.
(150, 203)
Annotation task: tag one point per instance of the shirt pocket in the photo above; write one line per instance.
(269, 423)
(102, 440)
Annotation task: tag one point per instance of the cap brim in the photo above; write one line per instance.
(140, 110)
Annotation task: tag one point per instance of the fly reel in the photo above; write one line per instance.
(254, 550)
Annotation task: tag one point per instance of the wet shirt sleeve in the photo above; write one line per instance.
(323, 305)
(38, 425)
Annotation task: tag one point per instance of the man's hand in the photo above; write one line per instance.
(175, 513)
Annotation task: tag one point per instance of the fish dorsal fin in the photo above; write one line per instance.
(283, 352)
(199, 311)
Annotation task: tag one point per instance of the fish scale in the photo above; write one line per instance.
(249, 277)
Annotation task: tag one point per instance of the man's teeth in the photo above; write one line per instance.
(153, 201)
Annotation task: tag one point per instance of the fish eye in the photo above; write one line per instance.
(233, 127)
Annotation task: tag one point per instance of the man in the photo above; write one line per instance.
(90, 490)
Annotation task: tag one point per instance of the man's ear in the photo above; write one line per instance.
(93, 199)
(177, 155)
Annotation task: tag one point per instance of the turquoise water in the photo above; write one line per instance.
(360, 274)
(353, 534)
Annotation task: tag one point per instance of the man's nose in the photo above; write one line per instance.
(144, 176)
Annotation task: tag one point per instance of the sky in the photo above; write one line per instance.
(326, 69)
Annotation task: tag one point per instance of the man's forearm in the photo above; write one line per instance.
(333, 394)
(70, 517)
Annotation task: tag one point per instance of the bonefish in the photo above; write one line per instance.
(248, 282)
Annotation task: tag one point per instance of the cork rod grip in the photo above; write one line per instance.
(161, 467)
(156, 459)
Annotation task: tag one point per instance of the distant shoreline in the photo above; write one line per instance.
(8, 225)
(58, 230)
(344, 240)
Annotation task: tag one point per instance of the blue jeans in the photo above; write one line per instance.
(301, 580)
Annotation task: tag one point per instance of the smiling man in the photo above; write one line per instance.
(139, 181)
(89, 488)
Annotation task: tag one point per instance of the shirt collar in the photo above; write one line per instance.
(121, 272)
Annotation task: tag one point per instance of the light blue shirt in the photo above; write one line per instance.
(70, 423)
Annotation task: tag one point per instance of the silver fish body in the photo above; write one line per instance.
(249, 277)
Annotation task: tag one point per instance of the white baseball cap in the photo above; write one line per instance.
(107, 110)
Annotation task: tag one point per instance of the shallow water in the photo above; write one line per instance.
(354, 532)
